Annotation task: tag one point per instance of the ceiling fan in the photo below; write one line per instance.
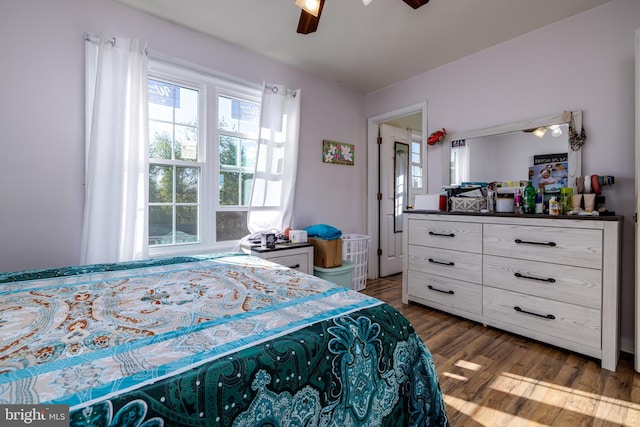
(312, 9)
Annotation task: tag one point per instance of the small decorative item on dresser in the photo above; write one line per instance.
(268, 240)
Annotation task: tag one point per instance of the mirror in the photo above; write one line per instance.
(400, 182)
(507, 152)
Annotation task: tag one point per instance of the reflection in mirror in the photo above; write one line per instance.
(504, 157)
(400, 182)
(505, 152)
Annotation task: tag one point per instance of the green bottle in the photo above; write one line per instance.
(529, 202)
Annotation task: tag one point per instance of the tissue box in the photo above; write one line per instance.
(326, 253)
(468, 204)
(298, 236)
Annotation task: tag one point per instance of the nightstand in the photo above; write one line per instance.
(298, 256)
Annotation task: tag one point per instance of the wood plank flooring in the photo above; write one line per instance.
(493, 378)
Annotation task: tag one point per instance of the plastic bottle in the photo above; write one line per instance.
(540, 201)
(491, 201)
(518, 202)
(529, 199)
(554, 206)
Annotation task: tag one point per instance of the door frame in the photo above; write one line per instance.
(373, 177)
(637, 203)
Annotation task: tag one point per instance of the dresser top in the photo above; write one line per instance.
(513, 215)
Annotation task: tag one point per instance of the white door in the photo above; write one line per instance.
(390, 235)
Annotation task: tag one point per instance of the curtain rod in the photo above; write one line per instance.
(170, 60)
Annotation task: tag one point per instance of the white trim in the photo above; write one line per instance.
(210, 85)
(373, 219)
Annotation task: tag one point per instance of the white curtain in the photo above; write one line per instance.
(274, 179)
(116, 150)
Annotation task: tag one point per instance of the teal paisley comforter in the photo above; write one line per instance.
(220, 340)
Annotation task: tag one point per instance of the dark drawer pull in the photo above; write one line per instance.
(433, 261)
(535, 243)
(522, 276)
(433, 233)
(295, 266)
(440, 290)
(544, 316)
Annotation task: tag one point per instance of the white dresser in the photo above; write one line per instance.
(553, 279)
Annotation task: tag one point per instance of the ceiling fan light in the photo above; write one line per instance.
(416, 3)
(366, 2)
(540, 132)
(555, 130)
(310, 6)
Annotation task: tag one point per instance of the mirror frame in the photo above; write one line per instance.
(574, 157)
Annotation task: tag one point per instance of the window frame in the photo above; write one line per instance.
(210, 87)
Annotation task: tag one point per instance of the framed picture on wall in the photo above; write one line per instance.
(338, 152)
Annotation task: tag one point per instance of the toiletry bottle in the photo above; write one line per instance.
(518, 202)
(491, 201)
(554, 206)
(540, 200)
(529, 200)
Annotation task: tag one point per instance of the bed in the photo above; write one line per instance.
(219, 340)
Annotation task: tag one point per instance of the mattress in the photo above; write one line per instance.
(224, 339)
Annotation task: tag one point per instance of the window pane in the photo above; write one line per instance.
(229, 188)
(231, 225)
(160, 140)
(187, 185)
(187, 106)
(249, 150)
(186, 224)
(186, 143)
(160, 225)
(229, 150)
(160, 184)
(247, 181)
(161, 100)
(237, 115)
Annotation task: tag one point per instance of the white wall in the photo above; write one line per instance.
(42, 122)
(584, 63)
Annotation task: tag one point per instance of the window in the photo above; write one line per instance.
(459, 169)
(174, 164)
(238, 122)
(202, 148)
(416, 161)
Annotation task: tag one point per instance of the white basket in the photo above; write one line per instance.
(355, 249)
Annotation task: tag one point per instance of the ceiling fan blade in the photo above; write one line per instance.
(416, 3)
(309, 23)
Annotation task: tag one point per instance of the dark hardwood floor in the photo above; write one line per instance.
(493, 378)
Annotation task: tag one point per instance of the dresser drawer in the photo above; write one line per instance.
(296, 261)
(444, 292)
(442, 262)
(458, 236)
(575, 285)
(542, 317)
(571, 246)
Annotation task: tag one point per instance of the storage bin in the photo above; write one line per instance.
(338, 275)
(355, 248)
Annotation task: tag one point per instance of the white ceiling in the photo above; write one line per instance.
(366, 48)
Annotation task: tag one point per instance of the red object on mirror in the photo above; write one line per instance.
(437, 136)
